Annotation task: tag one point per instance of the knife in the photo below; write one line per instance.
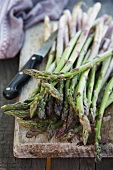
(14, 87)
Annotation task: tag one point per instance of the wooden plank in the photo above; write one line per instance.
(73, 163)
(87, 164)
(65, 164)
(105, 164)
(8, 69)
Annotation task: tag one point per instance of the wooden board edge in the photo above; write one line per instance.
(53, 150)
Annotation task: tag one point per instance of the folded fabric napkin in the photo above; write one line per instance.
(18, 15)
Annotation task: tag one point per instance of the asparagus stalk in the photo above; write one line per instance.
(98, 86)
(58, 106)
(85, 101)
(79, 62)
(109, 71)
(35, 102)
(42, 103)
(83, 37)
(73, 24)
(83, 80)
(52, 91)
(84, 19)
(41, 108)
(79, 19)
(67, 52)
(60, 37)
(91, 85)
(105, 98)
(52, 51)
(32, 124)
(93, 73)
(49, 106)
(69, 18)
(47, 28)
(110, 100)
(15, 106)
(66, 37)
(18, 113)
(52, 67)
(57, 76)
(87, 56)
(36, 91)
(66, 106)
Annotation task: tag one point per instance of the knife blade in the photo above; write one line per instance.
(13, 88)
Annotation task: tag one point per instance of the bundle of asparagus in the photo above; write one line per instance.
(77, 84)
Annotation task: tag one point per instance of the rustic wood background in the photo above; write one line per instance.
(8, 69)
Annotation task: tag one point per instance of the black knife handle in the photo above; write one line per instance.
(14, 87)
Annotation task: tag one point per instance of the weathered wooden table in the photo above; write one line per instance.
(8, 69)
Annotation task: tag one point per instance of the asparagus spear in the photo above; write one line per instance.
(52, 51)
(106, 94)
(51, 90)
(79, 62)
(66, 40)
(83, 79)
(71, 74)
(35, 102)
(69, 18)
(83, 37)
(66, 106)
(110, 100)
(40, 104)
(15, 106)
(58, 106)
(84, 19)
(67, 52)
(98, 86)
(109, 71)
(87, 56)
(52, 67)
(47, 28)
(41, 108)
(49, 106)
(73, 24)
(66, 37)
(18, 113)
(32, 124)
(79, 19)
(93, 73)
(85, 101)
(60, 37)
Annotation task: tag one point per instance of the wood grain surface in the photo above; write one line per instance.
(8, 69)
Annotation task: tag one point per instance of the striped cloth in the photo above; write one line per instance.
(18, 15)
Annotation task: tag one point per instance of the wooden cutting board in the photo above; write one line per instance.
(40, 147)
